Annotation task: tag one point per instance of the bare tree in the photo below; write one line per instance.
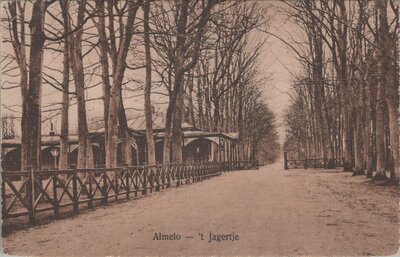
(151, 153)
(18, 40)
(64, 144)
(31, 126)
(85, 153)
(182, 53)
(115, 92)
(8, 127)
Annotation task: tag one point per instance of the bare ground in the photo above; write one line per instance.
(274, 212)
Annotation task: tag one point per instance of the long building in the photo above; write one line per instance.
(198, 145)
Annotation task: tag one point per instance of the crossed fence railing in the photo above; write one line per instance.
(28, 193)
(314, 163)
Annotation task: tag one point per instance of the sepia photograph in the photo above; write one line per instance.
(200, 127)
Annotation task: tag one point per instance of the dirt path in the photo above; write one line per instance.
(274, 212)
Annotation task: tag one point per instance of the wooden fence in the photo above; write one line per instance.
(321, 163)
(28, 193)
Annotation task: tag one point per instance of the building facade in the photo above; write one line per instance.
(199, 146)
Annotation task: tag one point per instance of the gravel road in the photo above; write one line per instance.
(269, 211)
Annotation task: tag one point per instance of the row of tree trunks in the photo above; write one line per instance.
(355, 114)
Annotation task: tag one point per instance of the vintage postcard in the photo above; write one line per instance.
(199, 127)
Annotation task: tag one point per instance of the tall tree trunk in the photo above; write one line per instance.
(167, 135)
(207, 104)
(19, 46)
(126, 148)
(151, 152)
(177, 99)
(216, 115)
(85, 153)
(105, 73)
(31, 129)
(342, 71)
(168, 122)
(177, 135)
(228, 112)
(112, 137)
(380, 126)
(367, 122)
(393, 106)
(192, 120)
(348, 140)
(380, 129)
(383, 67)
(118, 77)
(84, 156)
(200, 102)
(392, 96)
(64, 147)
(241, 144)
(358, 142)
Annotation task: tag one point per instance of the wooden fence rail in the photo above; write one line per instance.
(322, 163)
(27, 193)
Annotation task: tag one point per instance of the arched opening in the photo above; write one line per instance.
(200, 150)
(97, 157)
(133, 156)
(159, 145)
(11, 161)
(48, 162)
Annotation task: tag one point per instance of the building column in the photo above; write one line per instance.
(212, 150)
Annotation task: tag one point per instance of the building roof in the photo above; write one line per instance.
(46, 140)
(199, 133)
(139, 123)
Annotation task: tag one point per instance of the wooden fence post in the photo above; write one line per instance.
(116, 171)
(31, 197)
(158, 174)
(136, 184)
(144, 181)
(55, 197)
(128, 189)
(90, 193)
(3, 197)
(162, 174)
(185, 173)
(104, 188)
(75, 190)
(201, 171)
(285, 160)
(193, 172)
(178, 174)
(168, 175)
(151, 173)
